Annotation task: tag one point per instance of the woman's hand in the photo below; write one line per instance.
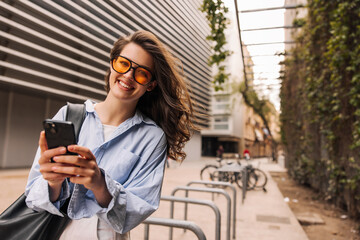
(54, 179)
(84, 170)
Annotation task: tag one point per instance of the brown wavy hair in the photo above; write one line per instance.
(169, 103)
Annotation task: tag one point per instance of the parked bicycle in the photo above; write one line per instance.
(256, 178)
(210, 172)
(257, 175)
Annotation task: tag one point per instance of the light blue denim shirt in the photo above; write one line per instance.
(132, 162)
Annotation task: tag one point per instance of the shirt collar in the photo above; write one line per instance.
(89, 105)
(136, 119)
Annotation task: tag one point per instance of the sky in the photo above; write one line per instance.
(266, 69)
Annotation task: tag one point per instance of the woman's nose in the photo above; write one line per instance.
(129, 74)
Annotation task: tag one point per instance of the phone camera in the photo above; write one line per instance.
(51, 127)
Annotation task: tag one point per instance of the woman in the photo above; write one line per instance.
(123, 144)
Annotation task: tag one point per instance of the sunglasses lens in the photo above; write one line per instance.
(121, 64)
(142, 76)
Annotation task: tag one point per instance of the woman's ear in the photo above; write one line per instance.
(151, 86)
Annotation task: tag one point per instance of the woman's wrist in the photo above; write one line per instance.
(54, 190)
(102, 194)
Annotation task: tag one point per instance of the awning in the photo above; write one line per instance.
(259, 135)
(228, 139)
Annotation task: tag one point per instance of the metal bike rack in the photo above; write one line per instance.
(211, 204)
(244, 179)
(211, 190)
(173, 223)
(219, 184)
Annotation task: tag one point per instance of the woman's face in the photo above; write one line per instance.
(123, 86)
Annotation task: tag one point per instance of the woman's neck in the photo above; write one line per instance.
(114, 112)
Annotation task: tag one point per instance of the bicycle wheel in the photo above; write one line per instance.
(261, 178)
(209, 173)
(251, 181)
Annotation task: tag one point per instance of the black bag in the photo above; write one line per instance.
(18, 222)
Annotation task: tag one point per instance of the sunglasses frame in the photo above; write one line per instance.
(131, 67)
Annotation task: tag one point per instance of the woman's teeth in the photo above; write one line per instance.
(124, 85)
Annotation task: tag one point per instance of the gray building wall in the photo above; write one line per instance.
(56, 51)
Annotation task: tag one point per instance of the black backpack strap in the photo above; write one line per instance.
(76, 114)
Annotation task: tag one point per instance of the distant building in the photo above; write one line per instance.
(233, 124)
(52, 52)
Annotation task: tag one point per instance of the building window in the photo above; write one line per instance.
(222, 98)
(221, 119)
(222, 106)
(221, 126)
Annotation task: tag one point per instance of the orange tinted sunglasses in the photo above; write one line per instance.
(122, 65)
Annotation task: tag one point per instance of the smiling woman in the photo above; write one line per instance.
(127, 83)
(115, 178)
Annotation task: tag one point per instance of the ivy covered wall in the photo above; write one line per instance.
(320, 102)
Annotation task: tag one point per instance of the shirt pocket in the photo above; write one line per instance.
(121, 164)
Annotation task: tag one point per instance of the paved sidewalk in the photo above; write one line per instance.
(262, 216)
(12, 185)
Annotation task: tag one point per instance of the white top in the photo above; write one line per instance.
(108, 130)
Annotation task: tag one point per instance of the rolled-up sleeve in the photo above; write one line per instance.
(134, 202)
(37, 188)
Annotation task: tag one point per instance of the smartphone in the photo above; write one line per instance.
(59, 133)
